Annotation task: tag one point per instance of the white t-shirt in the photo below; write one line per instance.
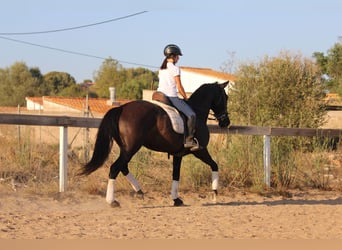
(167, 82)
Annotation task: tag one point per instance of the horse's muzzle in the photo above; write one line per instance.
(223, 120)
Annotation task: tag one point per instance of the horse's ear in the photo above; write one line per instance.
(224, 84)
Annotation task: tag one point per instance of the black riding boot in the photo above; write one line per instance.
(190, 141)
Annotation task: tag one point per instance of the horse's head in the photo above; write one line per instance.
(219, 105)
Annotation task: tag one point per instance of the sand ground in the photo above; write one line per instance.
(236, 215)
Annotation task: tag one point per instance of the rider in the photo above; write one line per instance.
(169, 83)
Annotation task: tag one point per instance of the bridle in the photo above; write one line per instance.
(222, 117)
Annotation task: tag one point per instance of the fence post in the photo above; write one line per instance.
(267, 160)
(63, 155)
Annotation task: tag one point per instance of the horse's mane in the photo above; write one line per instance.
(202, 90)
(200, 101)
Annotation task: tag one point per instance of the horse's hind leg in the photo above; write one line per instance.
(204, 156)
(120, 165)
(134, 183)
(115, 169)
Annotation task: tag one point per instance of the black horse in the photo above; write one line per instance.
(142, 123)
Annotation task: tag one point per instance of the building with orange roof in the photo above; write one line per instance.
(75, 105)
(192, 78)
(12, 109)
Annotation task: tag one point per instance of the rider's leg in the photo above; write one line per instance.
(190, 141)
(181, 105)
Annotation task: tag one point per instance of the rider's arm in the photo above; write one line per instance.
(180, 87)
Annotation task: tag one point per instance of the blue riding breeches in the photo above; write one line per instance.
(182, 106)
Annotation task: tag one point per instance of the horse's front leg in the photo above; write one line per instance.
(175, 181)
(214, 184)
(204, 156)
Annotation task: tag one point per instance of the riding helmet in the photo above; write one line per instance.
(172, 50)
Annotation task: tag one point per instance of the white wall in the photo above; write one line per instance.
(192, 81)
(30, 105)
(55, 107)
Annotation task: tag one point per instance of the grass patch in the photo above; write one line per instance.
(34, 167)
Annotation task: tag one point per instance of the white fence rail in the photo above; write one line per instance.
(67, 121)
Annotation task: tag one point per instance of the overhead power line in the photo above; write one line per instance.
(73, 28)
(70, 28)
(72, 52)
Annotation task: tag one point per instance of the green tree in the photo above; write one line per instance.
(331, 65)
(74, 90)
(321, 60)
(110, 74)
(334, 66)
(56, 82)
(128, 82)
(137, 79)
(19, 81)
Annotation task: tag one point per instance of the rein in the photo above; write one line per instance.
(217, 117)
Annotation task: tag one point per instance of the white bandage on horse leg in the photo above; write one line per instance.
(174, 190)
(215, 180)
(110, 191)
(134, 183)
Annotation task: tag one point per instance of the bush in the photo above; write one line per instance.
(284, 91)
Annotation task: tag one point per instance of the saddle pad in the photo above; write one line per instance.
(176, 120)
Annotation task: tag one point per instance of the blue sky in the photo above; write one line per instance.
(208, 31)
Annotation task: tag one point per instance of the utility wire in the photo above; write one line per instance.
(72, 52)
(71, 28)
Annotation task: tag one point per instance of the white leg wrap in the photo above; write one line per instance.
(174, 190)
(215, 180)
(110, 191)
(133, 182)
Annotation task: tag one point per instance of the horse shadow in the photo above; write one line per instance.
(299, 202)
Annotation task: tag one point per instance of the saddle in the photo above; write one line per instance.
(177, 119)
(161, 97)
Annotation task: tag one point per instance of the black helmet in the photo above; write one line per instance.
(172, 49)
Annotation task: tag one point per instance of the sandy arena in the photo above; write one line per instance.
(306, 215)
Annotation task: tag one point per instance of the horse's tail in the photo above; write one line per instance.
(108, 130)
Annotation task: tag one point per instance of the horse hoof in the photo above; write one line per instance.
(115, 204)
(139, 194)
(178, 202)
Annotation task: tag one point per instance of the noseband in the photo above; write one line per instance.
(223, 119)
(221, 116)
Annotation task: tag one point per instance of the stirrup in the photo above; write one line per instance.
(193, 144)
(196, 146)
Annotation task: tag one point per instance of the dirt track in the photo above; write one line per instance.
(236, 216)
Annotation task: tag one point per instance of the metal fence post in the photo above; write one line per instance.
(63, 155)
(267, 160)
